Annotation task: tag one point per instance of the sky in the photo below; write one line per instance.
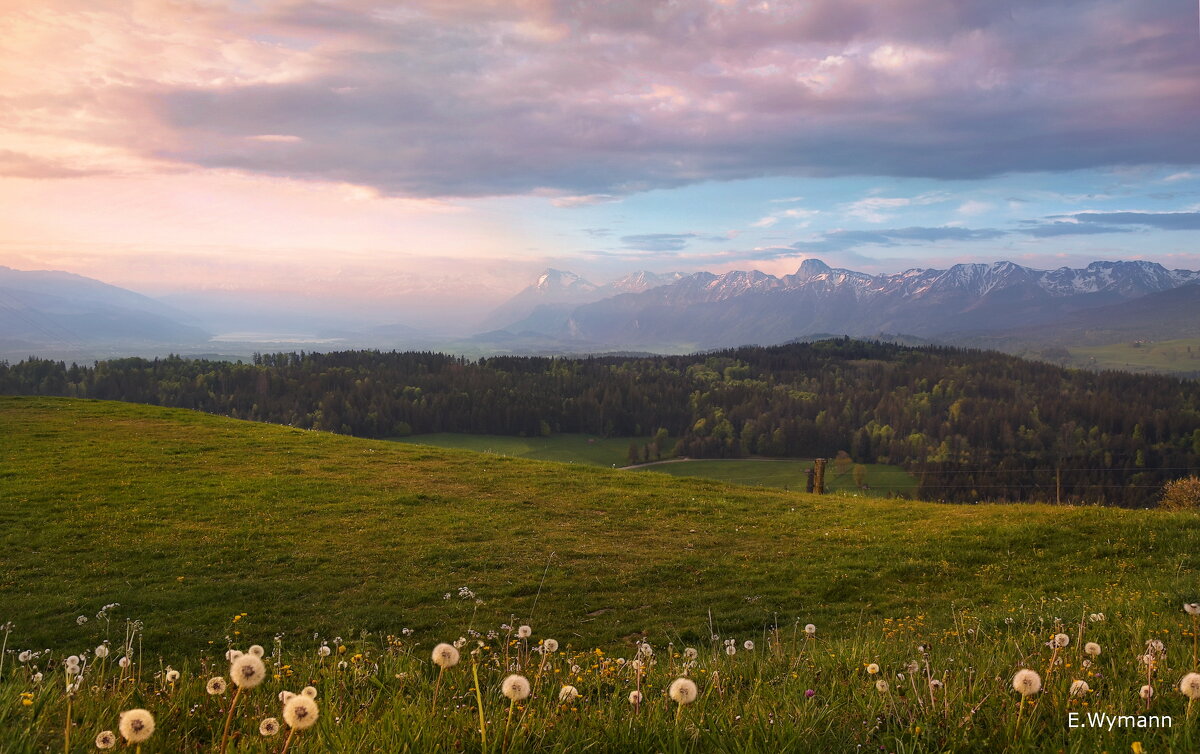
(399, 159)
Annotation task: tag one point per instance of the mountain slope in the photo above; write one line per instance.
(42, 310)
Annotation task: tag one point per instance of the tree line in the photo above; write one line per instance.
(972, 425)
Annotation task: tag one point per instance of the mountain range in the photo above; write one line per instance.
(1003, 306)
(704, 310)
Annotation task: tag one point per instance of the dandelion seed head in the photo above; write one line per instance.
(568, 694)
(233, 654)
(136, 725)
(247, 671)
(1146, 691)
(635, 697)
(881, 686)
(810, 629)
(1190, 685)
(171, 675)
(123, 662)
(730, 650)
(748, 645)
(690, 654)
(935, 684)
(445, 656)
(1092, 649)
(284, 696)
(1079, 688)
(257, 650)
(550, 645)
(872, 668)
(309, 691)
(515, 687)
(683, 691)
(25, 656)
(524, 632)
(1027, 682)
(106, 739)
(1192, 608)
(215, 686)
(1061, 640)
(324, 651)
(101, 652)
(268, 727)
(300, 712)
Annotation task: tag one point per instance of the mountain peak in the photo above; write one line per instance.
(810, 268)
(556, 280)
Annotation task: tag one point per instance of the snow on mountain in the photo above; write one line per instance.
(751, 306)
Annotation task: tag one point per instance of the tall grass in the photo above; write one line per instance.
(947, 687)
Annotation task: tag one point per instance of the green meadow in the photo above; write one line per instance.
(564, 448)
(188, 520)
(792, 474)
(1165, 356)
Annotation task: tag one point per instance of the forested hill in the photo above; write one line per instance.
(976, 425)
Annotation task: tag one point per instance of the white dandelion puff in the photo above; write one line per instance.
(635, 697)
(550, 645)
(690, 654)
(568, 694)
(309, 691)
(1092, 649)
(881, 686)
(515, 687)
(247, 671)
(1192, 608)
(1190, 685)
(1027, 682)
(172, 675)
(324, 650)
(524, 632)
(872, 668)
(1146, 691)
(445, 656)
(810, 629)
(748, 645)
(683, 691)
(101, 652)
(1061, 640)
(257, 650)
(136, 725)
(215, 686)
(300, 712)
(1079, 688)
(106, 739)
(268, 727)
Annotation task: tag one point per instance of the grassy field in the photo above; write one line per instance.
(1181, 355)
(188, 519)
(787, 474)
(564, 448)
(792, 475)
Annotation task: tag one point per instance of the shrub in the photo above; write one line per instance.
(1181, 494)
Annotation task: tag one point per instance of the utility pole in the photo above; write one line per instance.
(819, 482)
(1058, 485)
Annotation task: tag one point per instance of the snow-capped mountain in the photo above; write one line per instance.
(545, 305)
(705, 310)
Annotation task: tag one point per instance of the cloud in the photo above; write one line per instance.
(1158, 220)
(440, 98)
(874, 209)
(1060, 228)
(842, 240)
(584, 201)
(657, 241)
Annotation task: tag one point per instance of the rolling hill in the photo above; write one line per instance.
(186, 519)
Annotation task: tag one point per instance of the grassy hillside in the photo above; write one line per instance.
(792, 474)
(1165, 356)
(563, 448)
(186, 519)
